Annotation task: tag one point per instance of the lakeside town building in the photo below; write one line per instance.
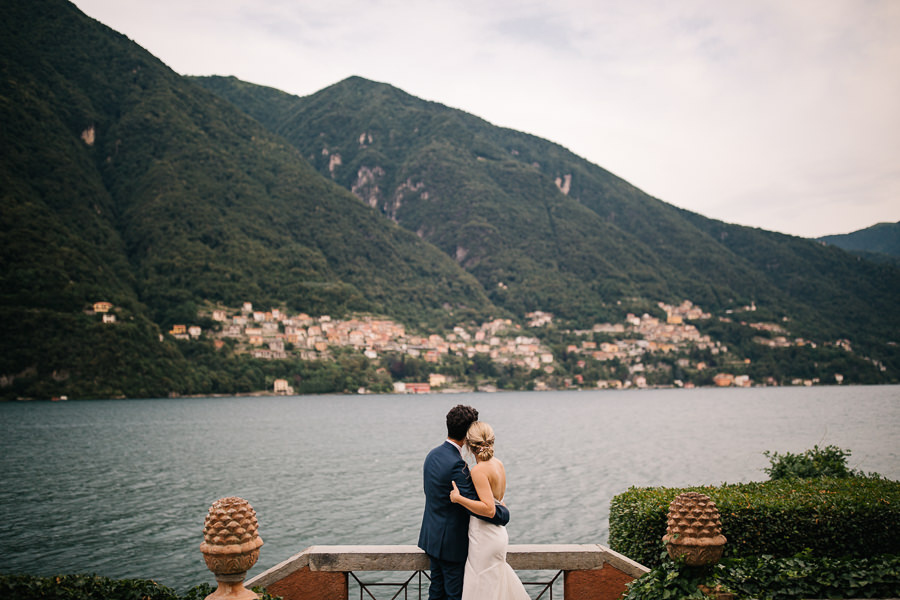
(276, 335)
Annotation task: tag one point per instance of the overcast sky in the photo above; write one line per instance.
(779, 114)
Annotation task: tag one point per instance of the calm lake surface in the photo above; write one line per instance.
(121, 487)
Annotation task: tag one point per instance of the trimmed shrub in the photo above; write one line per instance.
(846, 517)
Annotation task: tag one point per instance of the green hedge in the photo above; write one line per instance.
(804, 576)
(767, 577)
(857, 517)
(93, 587)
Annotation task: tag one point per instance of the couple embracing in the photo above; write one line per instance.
(463, 528)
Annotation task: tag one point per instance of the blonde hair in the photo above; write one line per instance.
(480, 440)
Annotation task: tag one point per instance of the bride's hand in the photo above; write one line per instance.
(454, 493)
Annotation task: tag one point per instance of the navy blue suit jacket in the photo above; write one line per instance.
(445, 525)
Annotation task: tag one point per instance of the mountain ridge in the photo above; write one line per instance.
(126, 183)
(879, 242)
(391, 153)
(440, 148)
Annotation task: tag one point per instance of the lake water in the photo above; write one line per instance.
(121, 487)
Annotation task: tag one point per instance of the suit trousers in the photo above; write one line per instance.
(446, 579)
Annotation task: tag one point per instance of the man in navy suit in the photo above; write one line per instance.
(445, 526)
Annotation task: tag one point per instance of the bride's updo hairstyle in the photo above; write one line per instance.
(480, 440)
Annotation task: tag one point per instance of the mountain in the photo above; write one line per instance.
(879, 242)
(124, 182)
(543, 229)
(127, 188)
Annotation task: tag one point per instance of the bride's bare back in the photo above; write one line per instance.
(488, 475)
(495, 473)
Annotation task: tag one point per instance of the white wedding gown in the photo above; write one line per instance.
(488, 576)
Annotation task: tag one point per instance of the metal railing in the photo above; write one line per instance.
(403, 587)
(416, 580)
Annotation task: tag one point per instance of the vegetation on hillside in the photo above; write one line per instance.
(882, 238)
(543, 229)
(124, 182)
(127, 183)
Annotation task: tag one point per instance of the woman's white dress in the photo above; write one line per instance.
(488, 576)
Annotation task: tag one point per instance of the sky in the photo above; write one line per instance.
(778, 114)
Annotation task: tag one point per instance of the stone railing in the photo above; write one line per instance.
(590, 571)
(231, 544)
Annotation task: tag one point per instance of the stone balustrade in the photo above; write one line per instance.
(590, 571)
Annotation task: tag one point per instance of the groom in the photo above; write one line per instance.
(445, 526)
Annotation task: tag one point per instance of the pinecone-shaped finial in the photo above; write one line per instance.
(231, 545)
(694, 530)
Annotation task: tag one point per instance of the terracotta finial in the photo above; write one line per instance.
(694, 530)
(231, 546)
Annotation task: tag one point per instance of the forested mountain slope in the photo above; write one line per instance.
(542, 228)
(880, 242)
(168, 196)
(124, 182)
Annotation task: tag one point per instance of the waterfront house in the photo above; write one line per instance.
(417, 388)
(281, 386)
(723, 379)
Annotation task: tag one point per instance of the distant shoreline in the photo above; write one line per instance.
(268, 394)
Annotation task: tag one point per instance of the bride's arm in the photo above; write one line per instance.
(484, 506)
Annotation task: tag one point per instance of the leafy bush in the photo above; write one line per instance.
(852, 517)
(767, 577)
(805, 576)
(669, 580)
(829, 461)
(82, 587)
(94, 587)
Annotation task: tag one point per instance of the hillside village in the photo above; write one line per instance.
(628, 351)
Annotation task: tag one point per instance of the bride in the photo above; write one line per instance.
(487, 575)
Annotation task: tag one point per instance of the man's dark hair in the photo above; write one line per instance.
(458, 420)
